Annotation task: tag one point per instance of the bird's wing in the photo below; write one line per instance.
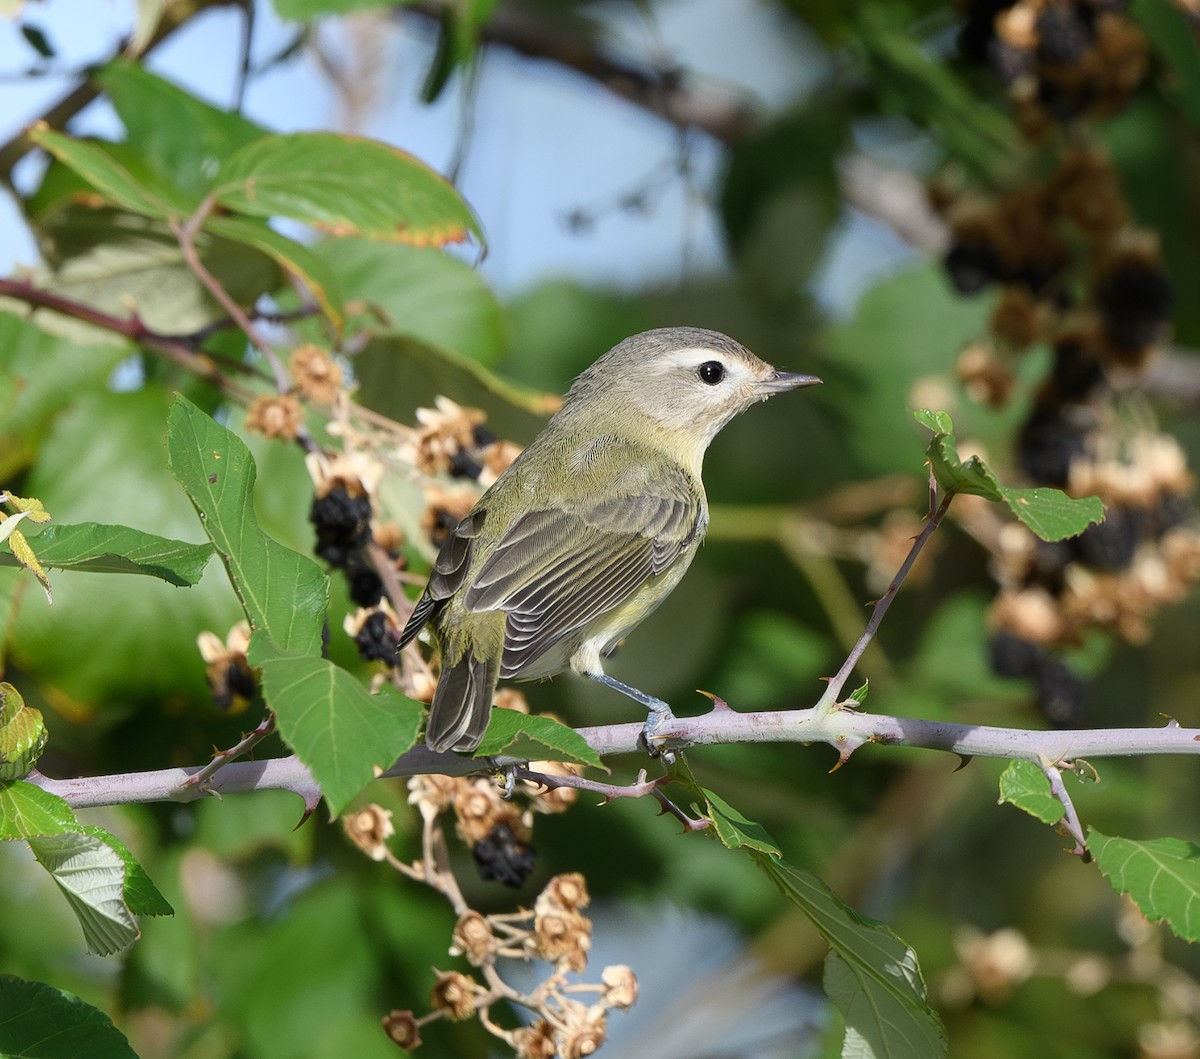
(449, 571)
(554, 571)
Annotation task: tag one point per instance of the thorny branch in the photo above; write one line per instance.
(843, 729)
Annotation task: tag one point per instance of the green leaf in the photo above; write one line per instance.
(281, 591)
(41, 1022)
(938, 422)
(92, 548)
(320, 280)
(104, 172)
(181, 139)
(45, 374)
(860, 693)
(141, 896)
(535, 739)
(26, 809)
(1162, 875)
(735, 830)
(91, 876)
(345, 185)
(22, 734)
(1025, 785)
(1049, 513)
(119, 262)
(870, 974)
(345, 735)
(103, 883)
(1170, 34)
(419, 292)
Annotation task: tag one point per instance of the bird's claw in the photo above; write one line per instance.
(654, 744)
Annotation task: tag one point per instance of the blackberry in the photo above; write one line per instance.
(1061, 693)
(1065, 31)
(971, 266)
(342, 522)
(503, 858)
(1111, 544)
(1047, 444)
(979, 30)
(464, 465)
(366, 586)
(1011, 656)
(376, 640)
(236, 682)
(1135, 301)
(1076, 371)
(1171, 511)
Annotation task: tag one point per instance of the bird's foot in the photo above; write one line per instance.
(655, 744)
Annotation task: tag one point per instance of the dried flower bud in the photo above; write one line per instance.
(432, 794)
(997, 963)
(496, 460)
(1030, 614)
(583, 1030)
(444, 510)
(987, 377)
(228, 673)
(1168, 1040)
(402, 1028)
(455, 995)
(479, 808)
(535, 1041)
(567, 892)
(369, 829)
(620, 986)
(511, 699)
(473, 938)
(562, 937)
(1019, 319)
(315, 373)
(279, 416)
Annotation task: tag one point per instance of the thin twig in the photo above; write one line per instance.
(185, 233)
(1070, 821)
(834, 688)
(223, 757)
(174, 349)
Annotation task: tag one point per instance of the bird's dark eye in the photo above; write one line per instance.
(712, 372)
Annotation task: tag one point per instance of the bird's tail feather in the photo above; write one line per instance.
(462, 704)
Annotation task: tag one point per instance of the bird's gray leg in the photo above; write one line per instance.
(659, 711)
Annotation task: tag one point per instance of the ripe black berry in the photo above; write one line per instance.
(502, 858)
(1061, 693)
(376, 640)
(1135, 302)
(1111, 544)
(971, 266)
(1065, 32)
(1011, 656)
(1047, 444)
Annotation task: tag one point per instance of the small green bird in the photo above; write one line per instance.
(590, 527)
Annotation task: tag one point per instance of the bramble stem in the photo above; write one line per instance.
(833, 689)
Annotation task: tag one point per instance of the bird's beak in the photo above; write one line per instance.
(779, 381)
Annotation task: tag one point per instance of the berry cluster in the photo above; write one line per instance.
(1077, 276)
(342, 514)
(1059, 59)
